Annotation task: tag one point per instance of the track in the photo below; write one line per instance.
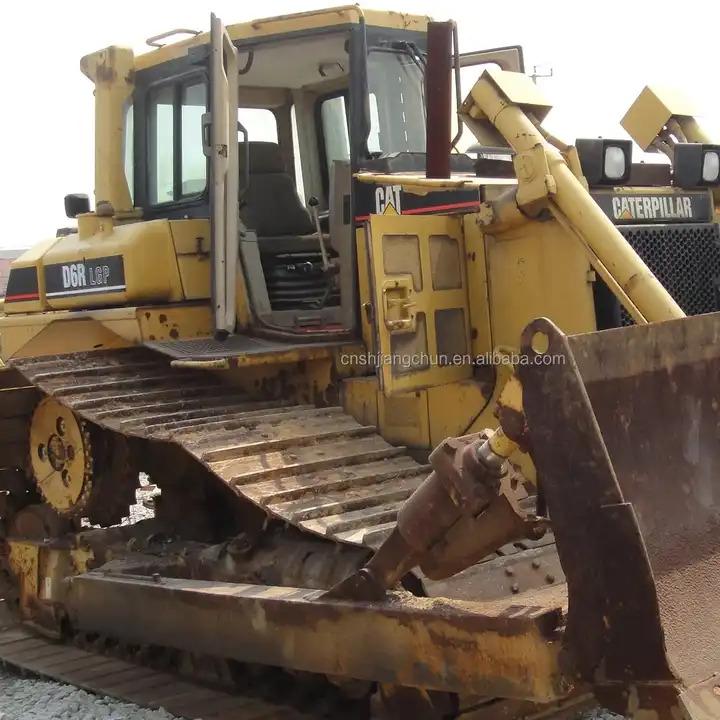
(316, 468)
(130, 682)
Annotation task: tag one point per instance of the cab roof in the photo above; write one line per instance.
(287, 24)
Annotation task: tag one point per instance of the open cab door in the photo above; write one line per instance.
(420, 294)
(220, 126)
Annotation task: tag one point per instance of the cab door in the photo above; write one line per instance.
(220, 128)
(418, 274)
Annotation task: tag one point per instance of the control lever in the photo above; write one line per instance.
(313, 202)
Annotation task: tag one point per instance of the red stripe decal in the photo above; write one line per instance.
(26, 296)
(451, 206)
(419, 211)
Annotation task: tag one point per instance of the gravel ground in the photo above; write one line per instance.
(28, 699)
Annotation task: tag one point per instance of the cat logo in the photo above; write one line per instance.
(387, 200)
(653, 207)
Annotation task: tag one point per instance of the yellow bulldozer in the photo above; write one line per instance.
(316, 253)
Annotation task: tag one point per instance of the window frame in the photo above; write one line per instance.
(320, 135)
(178, 83)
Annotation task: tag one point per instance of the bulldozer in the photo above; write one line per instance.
(437, 440)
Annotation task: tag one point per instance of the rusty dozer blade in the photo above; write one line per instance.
(625, 434)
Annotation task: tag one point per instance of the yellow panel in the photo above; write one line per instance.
(191, 239)
(401, 256)
(445, 262)
(537, 271)
(403, 419)
(409, 350)
(175, 322)
(62, 331)
(519, 89)
(150, 266)
(478, 292)
(451, 334)
(408, 310)
(651, 111)
(307, 381)
(67, 335)
(452, 409)
(360, 399)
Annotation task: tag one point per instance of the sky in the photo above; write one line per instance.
(602, 55)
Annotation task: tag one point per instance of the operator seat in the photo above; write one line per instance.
(270, 205)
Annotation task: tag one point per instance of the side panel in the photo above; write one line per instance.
(112, 266)
(191, 239)
(537, 271)
(420, 300)
(403, 418)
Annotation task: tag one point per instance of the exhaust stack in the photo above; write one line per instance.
(438, 98)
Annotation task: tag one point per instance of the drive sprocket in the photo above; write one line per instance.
(61, 457)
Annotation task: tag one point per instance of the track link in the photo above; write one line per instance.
(130, 682)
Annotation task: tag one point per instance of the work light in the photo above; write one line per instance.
(696, 165)
(605, 162)
(711, 166)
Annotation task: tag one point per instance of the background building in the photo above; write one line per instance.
(6, 257)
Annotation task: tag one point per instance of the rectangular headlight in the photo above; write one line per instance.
(615, 164)
(711, 166)
(605, 162)
(696, 165)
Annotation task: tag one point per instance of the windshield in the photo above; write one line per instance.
(397, 103)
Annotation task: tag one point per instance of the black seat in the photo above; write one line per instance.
(271, 206)
(286, 236)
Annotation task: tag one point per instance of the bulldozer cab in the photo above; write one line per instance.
(265, 134)
(270, 130)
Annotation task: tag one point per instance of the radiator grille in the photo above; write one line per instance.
(685, 258)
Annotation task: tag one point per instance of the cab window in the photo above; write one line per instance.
(260, 123)
(177, 166)
(335, 135)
